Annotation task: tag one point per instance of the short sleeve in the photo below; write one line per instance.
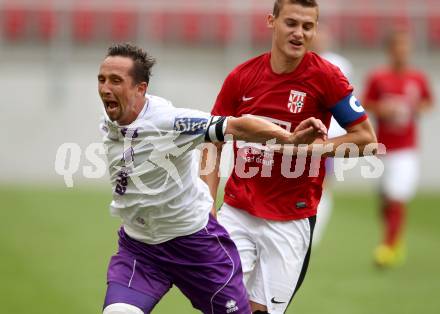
(336, 86)
(339, 99)
(195, 127)
(189, 126)
(228, 98)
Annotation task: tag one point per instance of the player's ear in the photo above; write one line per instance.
(270, 19)
(142, 88)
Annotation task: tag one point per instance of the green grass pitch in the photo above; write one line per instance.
(55, 245)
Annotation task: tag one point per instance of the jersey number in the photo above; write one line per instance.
(121, 183)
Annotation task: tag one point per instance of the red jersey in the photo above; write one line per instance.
(407, 90)
(261, 183)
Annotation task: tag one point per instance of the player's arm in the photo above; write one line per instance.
(360, 135)
(350, 114)
(426, 102)
(390, 108)
(258, 130)
(225, 105)
(383, 109)
(373, 102)
(425, 105)
(345, 108)
(377, 108)
(212, 179)
(251, 129)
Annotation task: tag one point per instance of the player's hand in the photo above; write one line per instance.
(308, 131)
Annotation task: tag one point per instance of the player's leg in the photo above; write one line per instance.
(284, 257)
(123, 300)
(207, 269)
(239, 225)
(255, 288)
(397, 187)
(133, 279)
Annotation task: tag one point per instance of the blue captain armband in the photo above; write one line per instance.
(348, 111)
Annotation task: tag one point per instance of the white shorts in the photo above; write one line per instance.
(274, 255)
(399, 181)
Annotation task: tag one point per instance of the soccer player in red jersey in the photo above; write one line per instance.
(269, 211)
(396, 95)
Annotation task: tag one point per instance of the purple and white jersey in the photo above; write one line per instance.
(153, 170)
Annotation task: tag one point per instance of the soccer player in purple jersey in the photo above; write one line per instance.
(168, 236)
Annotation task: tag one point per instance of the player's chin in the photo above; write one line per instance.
(295, 52)
(113, 114)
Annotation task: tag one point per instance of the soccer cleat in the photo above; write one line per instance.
(389, 256)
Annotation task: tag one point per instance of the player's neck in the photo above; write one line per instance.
(138, 108)
(281, 64)
(134, 113)
(399, 67)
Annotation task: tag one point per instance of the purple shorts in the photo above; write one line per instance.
(205, 266)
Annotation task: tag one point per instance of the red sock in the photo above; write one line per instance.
(394, 215)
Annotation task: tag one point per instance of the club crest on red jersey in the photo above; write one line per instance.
(296, 101)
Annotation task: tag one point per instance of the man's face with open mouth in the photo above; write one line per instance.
(117, 89)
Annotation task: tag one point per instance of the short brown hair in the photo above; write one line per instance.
(142, 62)
(278, 5)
